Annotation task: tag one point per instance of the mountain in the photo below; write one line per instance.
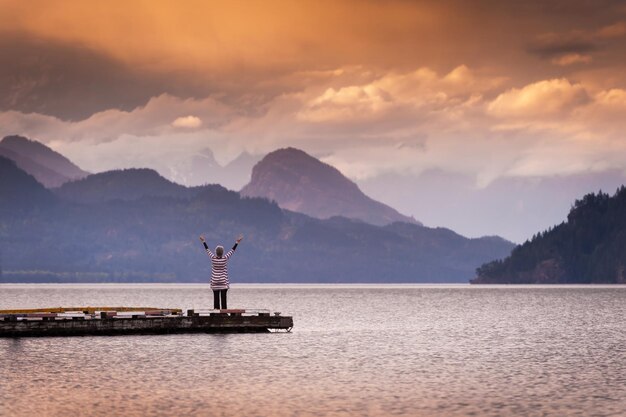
(301, 183)
(195, 169)
(127, 184)
(49, 167)
(20, 192)
(237, 172)
(590, 247)
(43, 174)
(92, 231)
(202, 168)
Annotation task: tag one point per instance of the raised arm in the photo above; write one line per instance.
(206, 247)
(230, 252)
(237, 241)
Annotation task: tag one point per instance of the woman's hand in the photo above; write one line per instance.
(239, 238)
(202, 239)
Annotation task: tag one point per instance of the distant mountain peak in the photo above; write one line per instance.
(18, 140)
(207, 156)
(201, 167)
(49, 167)
(299, 182)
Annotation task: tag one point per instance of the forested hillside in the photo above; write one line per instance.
(589, 248)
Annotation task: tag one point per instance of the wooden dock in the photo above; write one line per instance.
(95, 321)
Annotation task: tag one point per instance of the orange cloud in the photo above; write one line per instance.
(616, 30)
(571, 59)
(453, 133)
(540, 99)
(399, 93)
(187, 122)
(119, 54)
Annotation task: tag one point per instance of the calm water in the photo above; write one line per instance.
(354, 351)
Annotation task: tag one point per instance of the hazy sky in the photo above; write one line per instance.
(393, 93)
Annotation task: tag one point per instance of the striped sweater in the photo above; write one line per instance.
(219, 268)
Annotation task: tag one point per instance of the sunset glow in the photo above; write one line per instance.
(485, 90)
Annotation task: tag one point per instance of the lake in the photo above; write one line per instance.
(355, 350)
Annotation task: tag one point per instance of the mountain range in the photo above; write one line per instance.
(134, 225)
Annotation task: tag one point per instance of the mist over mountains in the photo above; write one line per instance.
(134, 225)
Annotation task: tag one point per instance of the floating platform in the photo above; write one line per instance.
(108, 321)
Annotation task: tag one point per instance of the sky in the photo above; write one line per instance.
(488, 117)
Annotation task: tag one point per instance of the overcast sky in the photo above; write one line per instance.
(398, 95)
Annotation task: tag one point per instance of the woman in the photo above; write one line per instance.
(219, 272)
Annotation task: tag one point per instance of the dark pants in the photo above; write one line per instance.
(217, 295)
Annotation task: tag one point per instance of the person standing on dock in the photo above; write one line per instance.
(219, 272)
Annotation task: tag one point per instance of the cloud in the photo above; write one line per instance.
(616, 30)
(71, 61)
(71, 81)
(347, 103)
(120, 139)
(189, 122)
(398, 110)
(615, 97)
(552, 44)
(576, 46)
(367, 124)
(604, 119)
(63, 80)
(571, 59)
(397, 95)
(539, 100)
(544, 128)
